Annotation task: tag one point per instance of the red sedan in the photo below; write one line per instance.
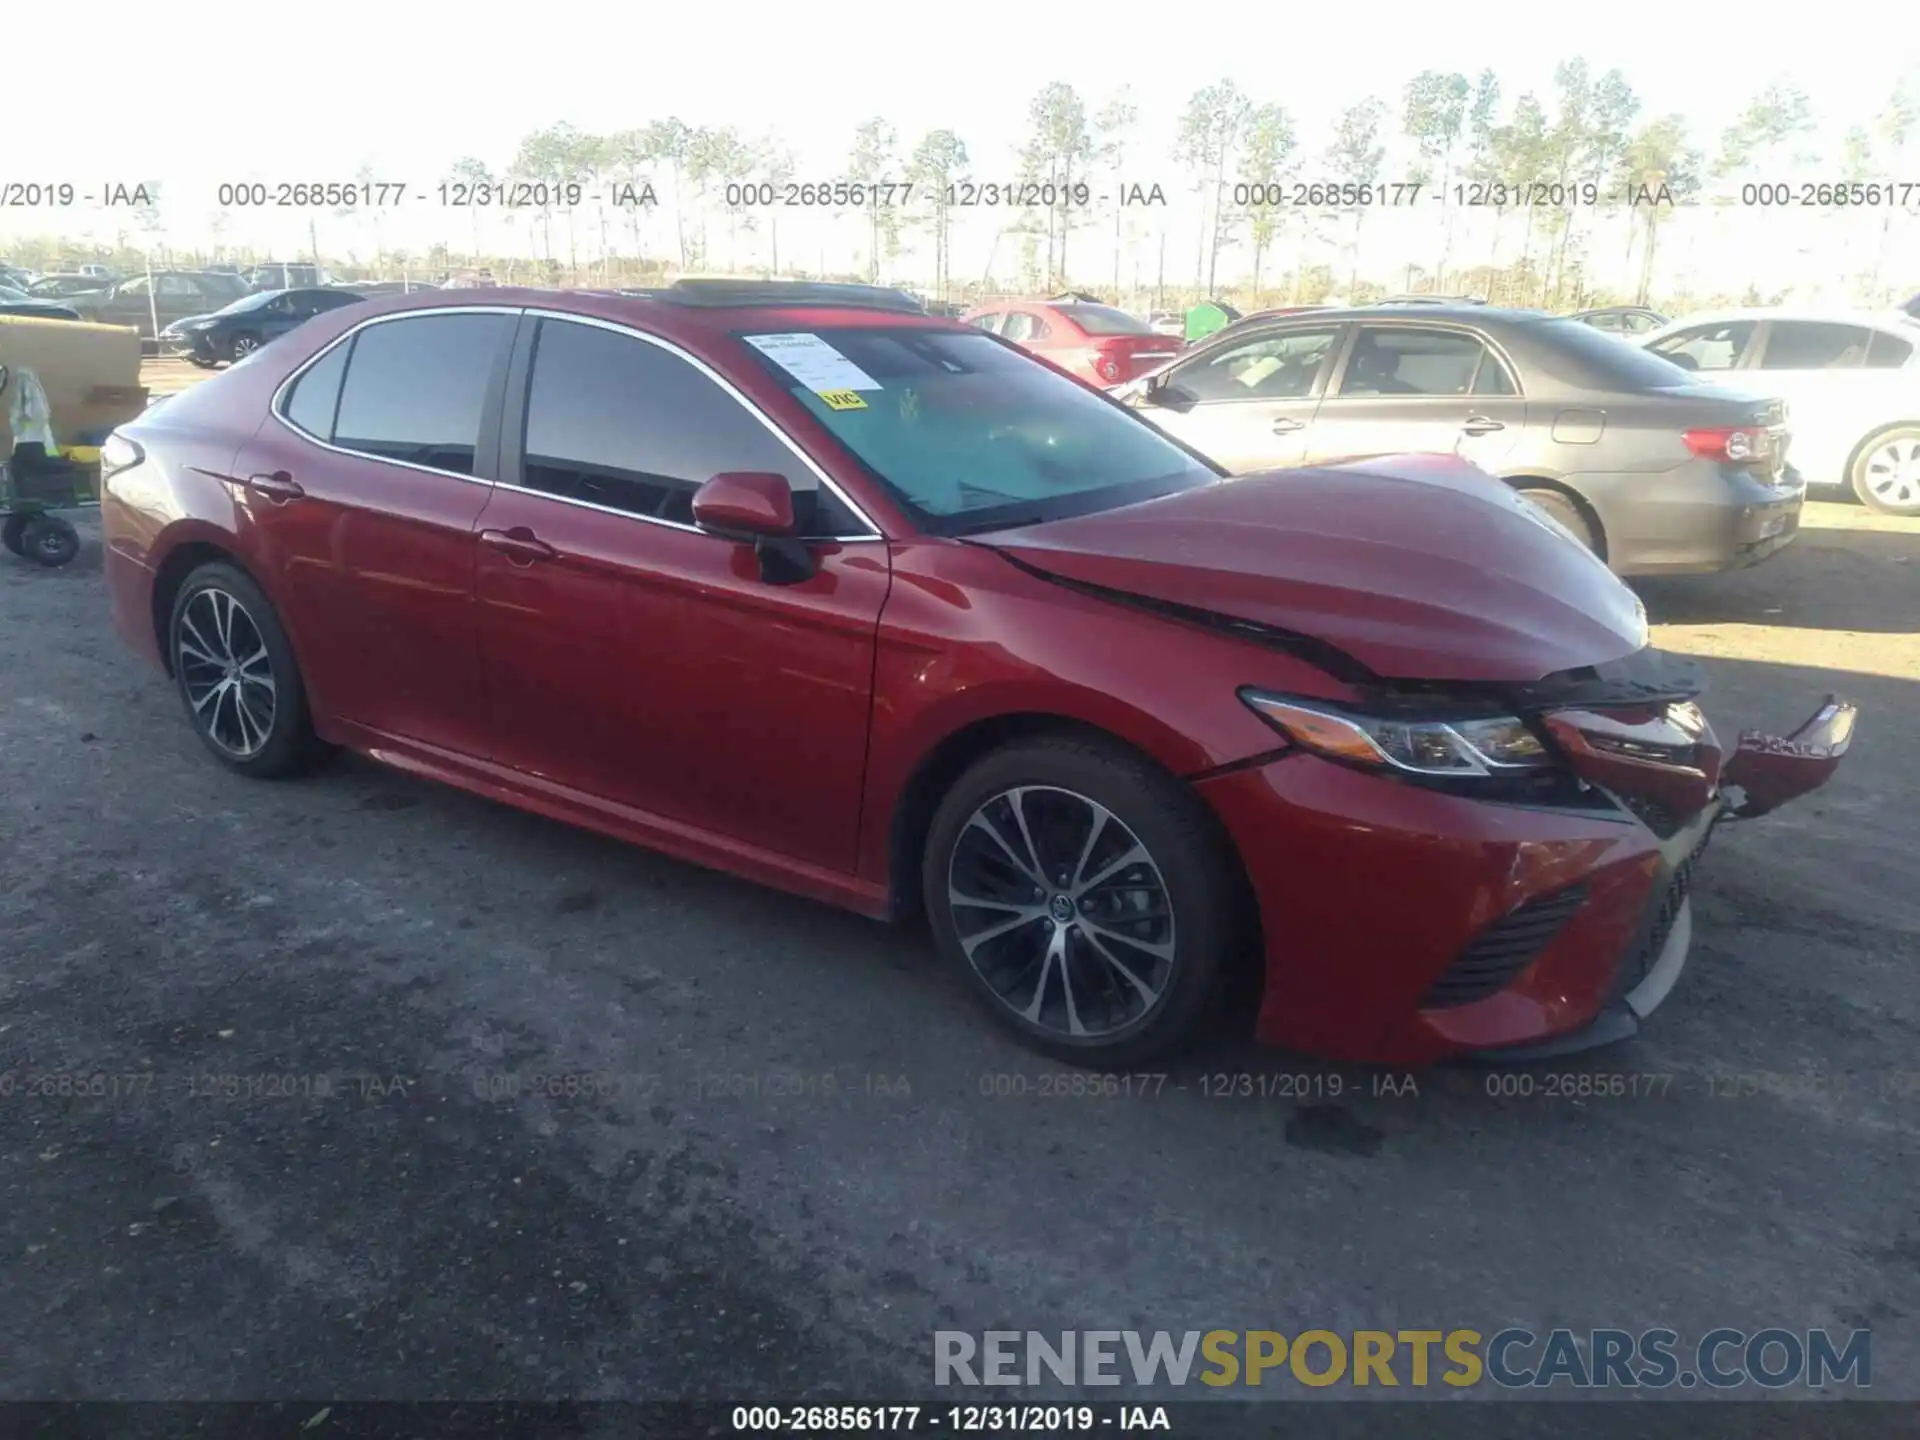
(1095, 343)
(870, 606)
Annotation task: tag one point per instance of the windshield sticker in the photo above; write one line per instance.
(843, 399)
(813, 362)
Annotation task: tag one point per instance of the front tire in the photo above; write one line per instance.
(241, 346)
(237, 677)
(1087, 896)
(1886, 472)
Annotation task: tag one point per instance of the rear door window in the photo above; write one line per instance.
(1888, 352)
(1810, 345)
(416, 389)
(1412, 361)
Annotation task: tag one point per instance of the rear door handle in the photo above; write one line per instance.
(520, 545)
(279, 487)
(1481, 425)
(1287, 427)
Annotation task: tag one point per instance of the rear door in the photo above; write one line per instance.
(1417, 388)
(1248, 403)
(1834, 398)
(362, 496)
(634, 658)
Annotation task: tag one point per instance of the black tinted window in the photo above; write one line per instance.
(317, 393)
(615, 421)
(1412, 362)
(415, 389)
(1805, 345)
(1105, 320)
(1609, 359)
(1887, 352)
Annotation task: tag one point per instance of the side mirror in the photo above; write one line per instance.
(745, 505)
(756, 507)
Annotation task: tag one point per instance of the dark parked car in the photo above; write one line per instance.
(173, 294)
(62, 287)
(1622, 319)
(1649, 466)
(235, 332)
(871, 605)
(18, 302)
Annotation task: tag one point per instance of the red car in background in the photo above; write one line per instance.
(799, 583)
(1099, 344)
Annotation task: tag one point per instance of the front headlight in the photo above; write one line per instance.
(119, 453)
(1490, 747)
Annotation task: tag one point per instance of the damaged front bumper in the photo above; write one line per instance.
(1763, 773)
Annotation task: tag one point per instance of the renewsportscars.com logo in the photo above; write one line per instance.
(1512, 1359)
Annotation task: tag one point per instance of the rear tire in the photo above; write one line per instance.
(11, 533)
(237, 677)
(1091, 958)
(1568, 512)
(1886, 472)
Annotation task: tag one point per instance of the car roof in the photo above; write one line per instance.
(1897, 321)
(662, 313)
(1485, 315)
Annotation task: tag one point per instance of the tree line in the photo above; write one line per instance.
(1589, 133)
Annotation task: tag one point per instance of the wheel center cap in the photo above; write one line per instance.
(1061, 908)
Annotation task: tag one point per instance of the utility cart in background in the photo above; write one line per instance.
(74, 382)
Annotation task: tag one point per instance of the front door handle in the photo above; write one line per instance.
(1287, 427)
(520, 545)
(279, 487)
(1480, 425)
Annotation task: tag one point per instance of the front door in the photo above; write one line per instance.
(1417, 388)
(362, 509)
(1249, 403)
(633, 658)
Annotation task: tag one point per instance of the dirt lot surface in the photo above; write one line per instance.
(416, 1096)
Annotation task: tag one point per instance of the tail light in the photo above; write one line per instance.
(1107, 366)
(1738, 443)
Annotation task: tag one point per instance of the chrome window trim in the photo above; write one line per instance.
(1488, 343)
(277, 408)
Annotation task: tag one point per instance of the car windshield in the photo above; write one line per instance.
(1105, 320)
(968, 434)
(1622, 360)
(249, 302)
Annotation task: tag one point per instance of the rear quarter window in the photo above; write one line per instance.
(1610, 358)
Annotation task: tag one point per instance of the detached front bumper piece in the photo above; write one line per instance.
(1763, 773)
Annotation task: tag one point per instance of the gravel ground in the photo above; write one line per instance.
(791, 1167)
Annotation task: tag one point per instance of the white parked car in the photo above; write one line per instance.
(1851, 383)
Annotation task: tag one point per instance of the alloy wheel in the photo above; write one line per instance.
(1062, 912)
(1892, 471)
(244, 346)
(224, 667)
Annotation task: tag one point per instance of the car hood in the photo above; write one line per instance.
(1415, 567)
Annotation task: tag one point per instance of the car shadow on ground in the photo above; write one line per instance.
(1860, 574)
